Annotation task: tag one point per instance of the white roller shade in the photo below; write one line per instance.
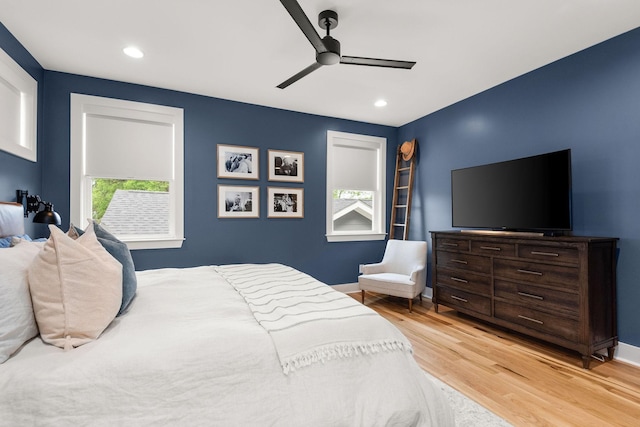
(354, 166)
(118, 147)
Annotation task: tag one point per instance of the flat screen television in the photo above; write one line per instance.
(526, 194)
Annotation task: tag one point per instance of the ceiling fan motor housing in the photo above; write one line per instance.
(332, 55)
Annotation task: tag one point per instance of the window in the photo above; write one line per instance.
(356, 169)
(127, 169)
(18, 109)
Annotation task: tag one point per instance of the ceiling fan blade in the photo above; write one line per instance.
(299, 75)
(305, 25)
(374, 62)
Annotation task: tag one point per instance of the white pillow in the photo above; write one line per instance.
(17, 324)
(76, 289)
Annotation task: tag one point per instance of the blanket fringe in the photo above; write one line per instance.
(341, 351)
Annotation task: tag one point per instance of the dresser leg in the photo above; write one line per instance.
(436, 306)
(586, 360)
(610, 352)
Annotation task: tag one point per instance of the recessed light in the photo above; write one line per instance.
(133, 52)
(380, 103)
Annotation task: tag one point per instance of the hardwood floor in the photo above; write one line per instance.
(525, 381)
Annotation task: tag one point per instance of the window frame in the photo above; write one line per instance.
(80, 183)
(25, 88)
(379, 144)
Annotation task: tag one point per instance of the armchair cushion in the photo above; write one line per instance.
(399, 285)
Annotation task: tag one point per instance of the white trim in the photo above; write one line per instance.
(355, 237)
(19, 138)
(427, 293)
(370, 143)
(627, 353)
(350, 288)
(347, 288)
(80, 183)
(153, 243)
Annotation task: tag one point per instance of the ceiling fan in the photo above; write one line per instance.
(328, 48)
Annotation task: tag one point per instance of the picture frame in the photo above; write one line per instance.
(238, 201)
(286, 166)
(238, 162)
(285, 202)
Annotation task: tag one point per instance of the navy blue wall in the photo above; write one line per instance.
(589, 102)
(16, 172)
(300, 243)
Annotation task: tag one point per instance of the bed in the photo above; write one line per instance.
(230, 345)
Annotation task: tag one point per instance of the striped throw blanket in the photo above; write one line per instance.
(307, 320)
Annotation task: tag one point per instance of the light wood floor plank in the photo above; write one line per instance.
(523, 380)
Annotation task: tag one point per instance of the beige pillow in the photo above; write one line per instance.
(76, 289)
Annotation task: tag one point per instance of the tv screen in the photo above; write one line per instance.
(527, 194)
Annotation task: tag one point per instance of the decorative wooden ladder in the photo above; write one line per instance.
(402, 193)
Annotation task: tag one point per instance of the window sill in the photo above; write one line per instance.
(135, 244)
(355, 237)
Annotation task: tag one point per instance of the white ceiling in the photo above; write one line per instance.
(241, 49)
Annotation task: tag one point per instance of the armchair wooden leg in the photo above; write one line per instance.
(410, 305)
(363, 296)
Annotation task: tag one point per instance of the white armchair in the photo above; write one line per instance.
(401, 273)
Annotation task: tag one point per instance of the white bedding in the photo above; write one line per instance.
(190, 352)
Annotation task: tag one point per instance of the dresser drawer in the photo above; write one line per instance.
(464, 280)
(453, 244)
(493, 248)
(562, 276)
(460, 261)
(549, 253)
(537, 320)
(458, 299)
(545, 299)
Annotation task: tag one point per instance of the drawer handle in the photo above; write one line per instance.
(457, 279)
(459, 261)
(535, 273)
(458, 298)
(524, 294)
(540, 322)
(491, 248)
(544, 253)
(451, 245)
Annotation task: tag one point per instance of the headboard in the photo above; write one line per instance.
(11, 219)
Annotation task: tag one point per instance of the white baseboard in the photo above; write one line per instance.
(624, 352)
(627, 353)
(350, 288)
(347, 288)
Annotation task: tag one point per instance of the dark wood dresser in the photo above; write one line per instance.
(558, 289)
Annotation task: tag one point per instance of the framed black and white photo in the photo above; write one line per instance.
(237, 162)
(287, 166)
(238, 201)
(285, 202)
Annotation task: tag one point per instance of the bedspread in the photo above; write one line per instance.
(190, 352)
